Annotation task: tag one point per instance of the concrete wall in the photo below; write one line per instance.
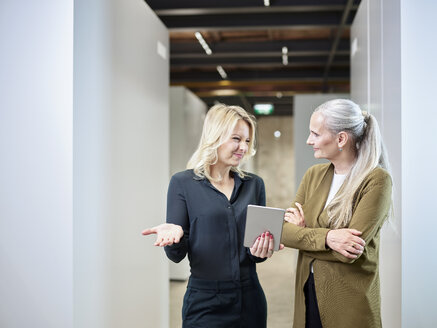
(187, 113)
(274, 160)
(304, 106)
(121, 156)
(36, 123)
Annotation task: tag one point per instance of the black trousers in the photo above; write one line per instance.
(312, 315)
(224, 304)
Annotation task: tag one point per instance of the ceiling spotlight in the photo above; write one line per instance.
(267, 3)
(279, 95)
(284, 55)
(203, 43)
(277, 134)
(222, 72)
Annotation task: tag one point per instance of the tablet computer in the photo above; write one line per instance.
(260, 219)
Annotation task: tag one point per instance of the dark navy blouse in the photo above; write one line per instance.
(213, 226)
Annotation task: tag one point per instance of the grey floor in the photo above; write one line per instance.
(277, 279)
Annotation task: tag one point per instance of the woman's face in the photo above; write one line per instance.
(232, 151)
(324, 143)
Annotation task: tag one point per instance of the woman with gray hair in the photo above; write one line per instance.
(339, 210)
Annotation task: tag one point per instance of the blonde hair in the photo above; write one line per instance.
(362, 127)
(219, 123)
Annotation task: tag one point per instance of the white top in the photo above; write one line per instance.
(336, 183)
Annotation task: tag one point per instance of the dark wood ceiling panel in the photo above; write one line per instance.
(274, 45)
(202, 4)
(239, 20)
(247, 40)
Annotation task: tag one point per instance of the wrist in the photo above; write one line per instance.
(328, 239)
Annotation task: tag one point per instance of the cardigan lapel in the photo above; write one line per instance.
(315, 204)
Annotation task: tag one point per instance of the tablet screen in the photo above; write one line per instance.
(260, 219)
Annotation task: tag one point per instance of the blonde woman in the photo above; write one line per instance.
(340, 209)
(206, 213)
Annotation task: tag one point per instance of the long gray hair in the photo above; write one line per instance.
(362, 127)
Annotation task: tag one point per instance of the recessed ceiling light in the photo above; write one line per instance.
(203, 43)
(284, 55)
(222, 72)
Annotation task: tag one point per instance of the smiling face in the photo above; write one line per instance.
(232, 151)
(323, 141)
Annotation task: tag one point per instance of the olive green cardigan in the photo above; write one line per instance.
(347, 290)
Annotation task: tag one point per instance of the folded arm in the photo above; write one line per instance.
(368, 217)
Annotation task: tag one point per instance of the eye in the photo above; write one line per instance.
(248, 141)
(236, 139)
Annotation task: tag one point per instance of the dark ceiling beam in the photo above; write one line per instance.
(276, 64)
(256, 54)
(248, 10)
(219, 84)
(285, 95)
(245, 102)
(290, 87)
(248, 100)
(204, 78)
(255, 46)
(344, 19)
(240, 21)
(249, 28)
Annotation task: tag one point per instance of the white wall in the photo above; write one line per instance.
(36, 106)
(375, 85)
(121, 155)
(419, 181)
(187, 113)
(304, 106)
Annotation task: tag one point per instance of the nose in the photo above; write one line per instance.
(243, 146)
(309, 140)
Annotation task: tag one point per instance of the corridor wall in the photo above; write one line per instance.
(393, 75)
(36, 123)
(121, 164)
(375, 86)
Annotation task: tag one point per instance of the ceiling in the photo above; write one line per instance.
(247, 40)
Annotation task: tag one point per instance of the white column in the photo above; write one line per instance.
(375, 85)
(121, 156)
(398, 56)
(36, 122)
(419, 181)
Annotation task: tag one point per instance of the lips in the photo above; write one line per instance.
(240, 156)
